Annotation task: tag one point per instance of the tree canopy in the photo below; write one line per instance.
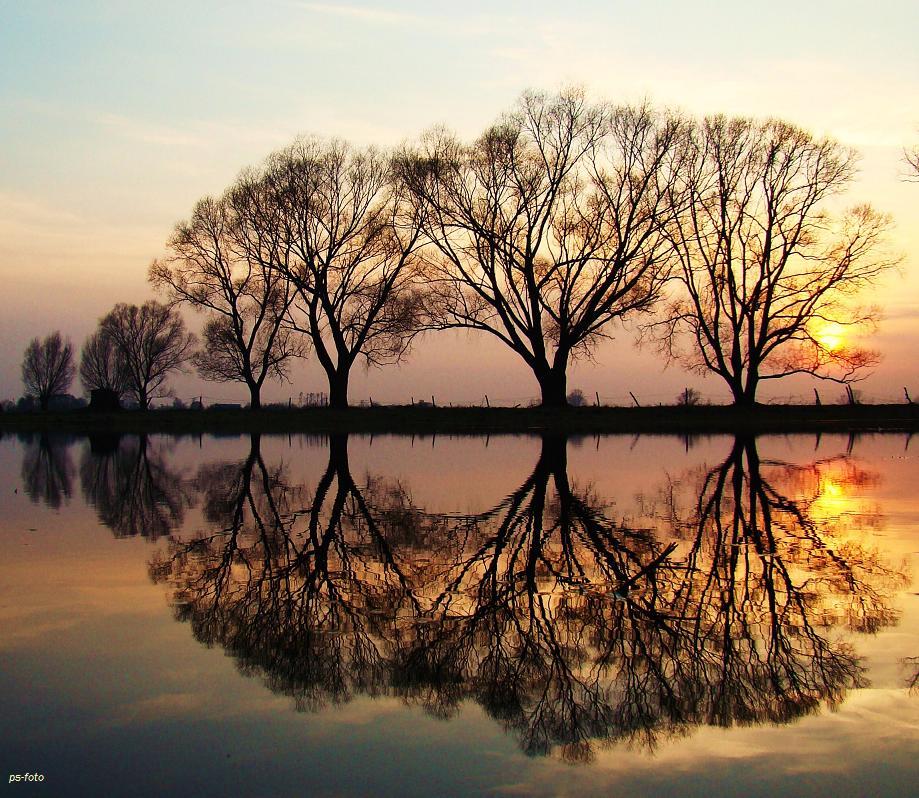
(768, 280)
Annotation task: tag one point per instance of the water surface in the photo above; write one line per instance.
(295, 615)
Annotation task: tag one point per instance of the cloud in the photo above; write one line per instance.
(369, 15)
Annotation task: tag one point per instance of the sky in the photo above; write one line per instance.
(116, 117)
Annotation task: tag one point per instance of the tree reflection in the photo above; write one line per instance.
(306, 596)
(134, 490)
(569, 626)
(766, 579)
(47, 469)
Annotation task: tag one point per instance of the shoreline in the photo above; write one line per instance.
(475, 420)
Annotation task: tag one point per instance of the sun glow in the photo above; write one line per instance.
(831, 337)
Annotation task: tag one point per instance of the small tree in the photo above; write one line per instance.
(151, 342)
(767, 277)
(101, 368)
(576, 398)
(688, 397)
(47, 368)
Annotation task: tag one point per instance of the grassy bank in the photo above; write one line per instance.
(473, 420)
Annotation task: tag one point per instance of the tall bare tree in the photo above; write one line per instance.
(767, 278)
(352, 243)
(101, 367)
(47, 368)
(152, 342)
(549, 226)
(222, 261)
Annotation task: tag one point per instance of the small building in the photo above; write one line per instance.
(104, 400)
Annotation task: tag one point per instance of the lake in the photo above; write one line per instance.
(454, 616)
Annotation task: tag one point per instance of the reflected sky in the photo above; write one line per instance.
(591, 615)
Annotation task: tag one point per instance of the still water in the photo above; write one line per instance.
(459, 616)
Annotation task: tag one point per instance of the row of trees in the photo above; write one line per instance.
(131, 354)
(561, 219)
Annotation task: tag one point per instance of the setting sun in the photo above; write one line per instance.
(831, 337)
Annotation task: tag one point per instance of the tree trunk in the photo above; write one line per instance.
(553, 386)
(338, 455)
(338, 388)
(744, 395)
(255, 397)
(553, 456)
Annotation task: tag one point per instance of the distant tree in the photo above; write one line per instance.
(151, 341)
(47, 368)
(101, 367)
(688, 397)
(223, 262)
(911, 156)
(576, 398)
(549, 226)
(767, 277)
(351, 255)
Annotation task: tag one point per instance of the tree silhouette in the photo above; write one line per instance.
(549, 226)
(350, 252)
(151, 342)
(101, 367)
(911, 158)
(223, 262)
(47, 368)
(767, 279)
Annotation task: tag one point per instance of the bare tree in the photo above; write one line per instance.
(352, 242)
(549, 226)
(100, 365)
(222, 262)
(151, 341)
(911, 157)
(767, 278)
(47, 368)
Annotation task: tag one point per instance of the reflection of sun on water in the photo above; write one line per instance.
(833, 499)
(839, 501)
(832, 490)
(832, 495)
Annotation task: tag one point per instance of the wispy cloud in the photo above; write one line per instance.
(32, 230)
(370, 15)
(451, 22)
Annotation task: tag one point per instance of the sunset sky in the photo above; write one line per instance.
(117, 117)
